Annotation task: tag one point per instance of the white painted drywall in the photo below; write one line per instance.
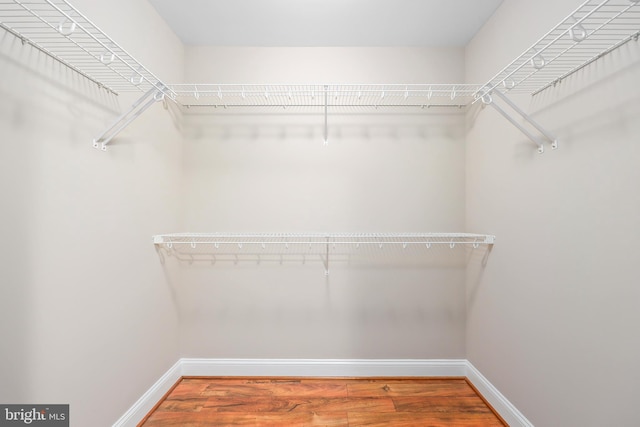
(86, 317)
(552, 320)
(270, 172)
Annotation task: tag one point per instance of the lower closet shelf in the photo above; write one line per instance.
(303, 247)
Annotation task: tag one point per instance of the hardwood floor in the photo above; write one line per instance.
(294, 402)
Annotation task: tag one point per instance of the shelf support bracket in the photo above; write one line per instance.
(487, 99)
(326, 259)
(140, 106)
(326, 107)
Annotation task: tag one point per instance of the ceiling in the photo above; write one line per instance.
(326, 22)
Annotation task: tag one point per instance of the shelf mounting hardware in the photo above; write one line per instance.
(487, 99)
(326, 259)
(591, 31)
(325, 140)
(140, 106)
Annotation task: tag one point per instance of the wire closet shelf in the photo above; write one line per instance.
(62, 32)
(58, 29)
(257, 247)
(324, 95)
(594, 29)
(286, 240)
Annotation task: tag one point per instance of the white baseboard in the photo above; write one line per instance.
(143, 406)
(507, 411)
(323, 368)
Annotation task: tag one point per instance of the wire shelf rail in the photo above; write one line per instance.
(213, 246)
(321, 95)
(284, 239)
(62, 32)
(288, 240)
(591, 31)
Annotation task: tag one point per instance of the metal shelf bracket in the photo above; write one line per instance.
(326, 130)
(140, 106)
(488, 99)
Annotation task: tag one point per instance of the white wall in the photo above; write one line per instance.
(86, 317)
(552, 319)
(269, 172)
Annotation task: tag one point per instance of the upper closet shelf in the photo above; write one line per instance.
(284, 240)
(59, 30)
(592, 30)
(323, 95)
(56, 28)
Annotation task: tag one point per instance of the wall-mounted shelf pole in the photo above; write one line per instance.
(487, 99)
(140, 106)
(548, 135)
(326, 259)
(326, 108)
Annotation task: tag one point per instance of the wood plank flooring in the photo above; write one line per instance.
(268, 402)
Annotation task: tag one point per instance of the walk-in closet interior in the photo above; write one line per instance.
(456, 195)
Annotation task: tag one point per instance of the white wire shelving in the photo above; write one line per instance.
(323, 98)
(325, 246)
(591, 31)
(594, 29)
(61, 31)
(284, 239)
(321, 95)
